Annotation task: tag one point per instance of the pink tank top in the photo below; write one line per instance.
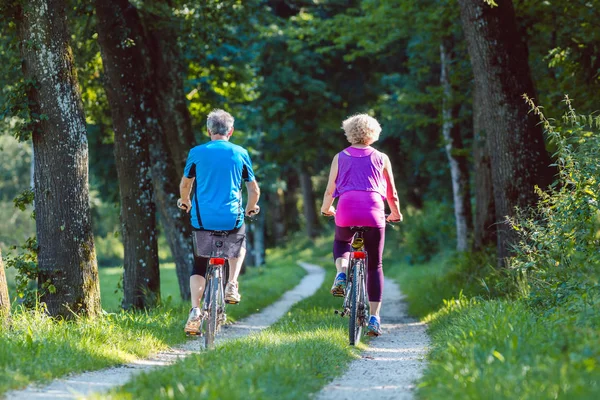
(361, 188)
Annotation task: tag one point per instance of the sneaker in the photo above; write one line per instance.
(192, 326)
(339, 285)
(374, 328)
(232, 295)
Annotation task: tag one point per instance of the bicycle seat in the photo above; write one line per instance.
(360, 228)
(219, 233)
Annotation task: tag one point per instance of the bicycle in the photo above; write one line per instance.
(355, 300)
(221, 245)
(213, 306)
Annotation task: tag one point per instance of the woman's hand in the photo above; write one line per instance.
(330, 212)
(395, 217)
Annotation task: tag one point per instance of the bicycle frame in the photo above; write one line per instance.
(355, 300)
(213, 306)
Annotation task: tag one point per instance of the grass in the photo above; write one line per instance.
(486, 347)
(291, 360)
(36, 348)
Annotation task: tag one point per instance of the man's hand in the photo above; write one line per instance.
(184, 204)
(330, 212)
(395, 217)
(251, 211)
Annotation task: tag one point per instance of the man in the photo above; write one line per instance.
(215, 172)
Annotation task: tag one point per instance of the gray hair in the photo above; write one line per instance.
(219, 122)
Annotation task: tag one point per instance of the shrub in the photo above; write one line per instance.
(558, 249)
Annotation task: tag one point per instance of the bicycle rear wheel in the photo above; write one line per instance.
(211, 326)
(354, 324)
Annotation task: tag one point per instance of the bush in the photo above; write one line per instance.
(427, 231)
(558, 250)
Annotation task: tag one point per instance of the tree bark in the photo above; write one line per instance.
(259, 240)
(4, 299)
(518, 156)
(485, 213)
(169, 72)
(459, 166)
(308, 205)
(122, 47)
(68, 271)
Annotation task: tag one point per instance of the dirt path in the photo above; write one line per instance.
(80, 385)
(393, 362)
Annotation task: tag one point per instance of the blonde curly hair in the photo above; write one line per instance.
(361, 129)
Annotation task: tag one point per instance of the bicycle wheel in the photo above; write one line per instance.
(211, 328)
(354, 325)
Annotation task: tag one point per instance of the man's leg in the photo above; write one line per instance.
(197, 286)
(232, 295)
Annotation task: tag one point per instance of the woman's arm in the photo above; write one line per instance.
(327, 207)
(392, 194)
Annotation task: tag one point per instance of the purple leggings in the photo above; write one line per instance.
(374, 239)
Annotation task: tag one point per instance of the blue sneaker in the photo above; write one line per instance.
(339, 285)
(374, 329)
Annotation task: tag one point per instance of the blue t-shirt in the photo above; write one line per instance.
(219, 168)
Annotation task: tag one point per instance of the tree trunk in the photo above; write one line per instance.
(122, 47)
(459, 166)
(169, 72)
(485, 213)
(518, 156)
(68, 271)
(308, 203)
(259, 240)
(291, 202)
(171, 140)
(4, 299)
(276, 217)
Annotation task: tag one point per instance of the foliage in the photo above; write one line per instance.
(558, 251)
(25, 265)
(426, 232)
(36, 348)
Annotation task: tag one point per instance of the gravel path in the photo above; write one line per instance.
(393, 362)
(76, 386)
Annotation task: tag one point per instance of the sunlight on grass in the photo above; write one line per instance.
(38, 348)
(290, 360)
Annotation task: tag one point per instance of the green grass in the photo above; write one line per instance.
(484, 347)
(37, 348)
(111, 277)
(290, 360)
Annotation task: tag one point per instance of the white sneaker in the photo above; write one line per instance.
(192, 326)
(232, 296)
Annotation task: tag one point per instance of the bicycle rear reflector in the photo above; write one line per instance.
(217, 261)
(359, 254)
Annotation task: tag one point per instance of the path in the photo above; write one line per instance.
(100, 381)
(393, 362)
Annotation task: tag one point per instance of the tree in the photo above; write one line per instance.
(4, 299)
(519, 160)
(484, 233)
(122, 47)
(68, 274)
(459, 167)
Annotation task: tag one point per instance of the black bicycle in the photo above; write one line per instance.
(356, 303)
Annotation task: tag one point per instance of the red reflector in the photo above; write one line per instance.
(359, 254)
(217, 261)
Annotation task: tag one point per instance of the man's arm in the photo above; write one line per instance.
(185, 188)
(253, 196)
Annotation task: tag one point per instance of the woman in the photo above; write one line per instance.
(361, 177)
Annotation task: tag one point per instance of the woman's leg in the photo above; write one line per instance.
(341, 248)
(374, 240)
